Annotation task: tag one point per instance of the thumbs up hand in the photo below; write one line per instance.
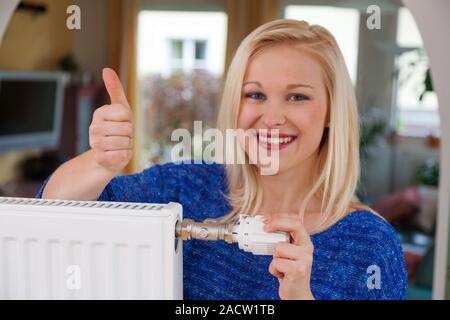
(111, 130)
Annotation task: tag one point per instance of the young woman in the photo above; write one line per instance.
(286, 75)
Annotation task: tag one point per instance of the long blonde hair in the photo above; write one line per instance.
(338, 167)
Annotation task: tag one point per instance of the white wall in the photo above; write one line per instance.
(6, 10)
(433, 19)
(91, 42)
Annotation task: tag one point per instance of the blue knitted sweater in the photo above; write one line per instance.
(343, 260)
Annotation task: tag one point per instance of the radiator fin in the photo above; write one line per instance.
(81, 204)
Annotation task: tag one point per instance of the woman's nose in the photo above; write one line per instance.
(273, 116)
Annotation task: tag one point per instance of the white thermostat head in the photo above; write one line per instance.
(251, 237)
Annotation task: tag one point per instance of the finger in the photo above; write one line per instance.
(292, 251)
(289, 267)
(289, 223)
(114, 87)
(112, 143)
(114, 112)
(113, 128)
(274, 271)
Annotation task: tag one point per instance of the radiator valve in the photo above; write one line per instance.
(247, 232)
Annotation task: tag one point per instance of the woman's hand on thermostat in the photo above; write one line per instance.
(111, 130)
(291, 262)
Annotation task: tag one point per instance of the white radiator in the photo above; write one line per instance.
(60, 249)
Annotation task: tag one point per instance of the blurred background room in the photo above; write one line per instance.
(172, 55)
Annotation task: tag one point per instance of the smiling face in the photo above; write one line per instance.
(283, 89)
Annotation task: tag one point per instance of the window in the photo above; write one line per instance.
(417, 110)
(176, 54)
(200, 50)
(343, 23)
(187, 55)
(177, 49)
(180, 62)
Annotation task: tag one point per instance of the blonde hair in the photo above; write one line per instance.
(338, 167)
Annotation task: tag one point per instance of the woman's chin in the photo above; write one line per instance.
(273, 168)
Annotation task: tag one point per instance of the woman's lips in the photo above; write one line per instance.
(275, 143)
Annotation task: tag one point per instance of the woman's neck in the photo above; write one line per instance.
(284, 192)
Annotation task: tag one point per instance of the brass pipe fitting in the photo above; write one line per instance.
(207, 230)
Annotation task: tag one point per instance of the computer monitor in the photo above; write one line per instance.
(31, 109)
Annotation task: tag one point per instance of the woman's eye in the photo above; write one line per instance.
(298, 97)
(255, 95)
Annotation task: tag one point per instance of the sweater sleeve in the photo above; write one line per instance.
(148, 186)
(41, 189)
